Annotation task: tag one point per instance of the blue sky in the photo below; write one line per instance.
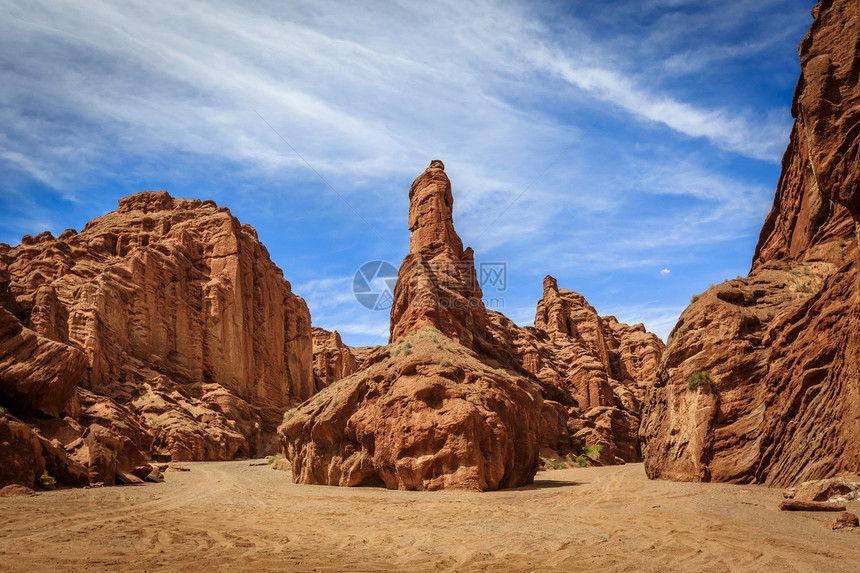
(631, 149)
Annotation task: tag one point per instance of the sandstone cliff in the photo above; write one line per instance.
(164, 321)
(759, 382)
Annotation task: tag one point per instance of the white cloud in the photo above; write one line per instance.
(369, 94)
(665, 272)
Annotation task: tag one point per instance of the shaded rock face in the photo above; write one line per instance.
(165, 322)
(462, 397)
(333, 360)
(781, 400)
(594, 367)
(37, 375)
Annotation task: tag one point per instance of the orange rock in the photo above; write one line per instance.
(37, 375)
(780, 347)
(21, 453)
(333, 360)
(165, 322)
(457, 398)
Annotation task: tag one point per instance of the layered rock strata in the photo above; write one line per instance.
(594, 369)
(428, 411)
(165, 322)
(333, 360)
(760, 380)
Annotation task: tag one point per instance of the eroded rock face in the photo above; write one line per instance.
(37, 375)
(165, 322)
(21, 453)
(594, 367)
(433, 409)
(437, 286)
(462, 397)
(780, 403)
(424, 414)
(333, 360)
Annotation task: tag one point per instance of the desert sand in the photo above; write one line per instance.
(240, 517)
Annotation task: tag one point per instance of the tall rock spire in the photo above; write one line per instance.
(437, 285)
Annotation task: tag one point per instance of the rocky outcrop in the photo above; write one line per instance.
(759, 382)
(38, 458)
(594, 367)
(424, 414)
(437, 286)
(37, 375)
(433, 409)
(165, 322)
(333, 360)
(462, 397)
(21, 453)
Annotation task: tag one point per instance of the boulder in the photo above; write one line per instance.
(15, 490)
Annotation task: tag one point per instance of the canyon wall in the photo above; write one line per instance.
(759, 382)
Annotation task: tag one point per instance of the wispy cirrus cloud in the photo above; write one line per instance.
(102, 99)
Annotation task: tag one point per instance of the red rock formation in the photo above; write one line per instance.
(333, 360)
(593, 366)
(21, 453)
(37, 375)
(437, 285)
(780, 403)
(181, 333)
(427, 411)
(456, 400)
(424, 414)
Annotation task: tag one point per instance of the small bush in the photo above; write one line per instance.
(445, 362)
(272, 459)
(3, 410)
(803, 287)
(581, 461)
(787, 269)
(551, 463)
(501, 371)
(698, 379)
(288, 415)
(694, 298)
(592, 452)
(45, 481)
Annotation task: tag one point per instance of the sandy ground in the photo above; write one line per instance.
(231, 516)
